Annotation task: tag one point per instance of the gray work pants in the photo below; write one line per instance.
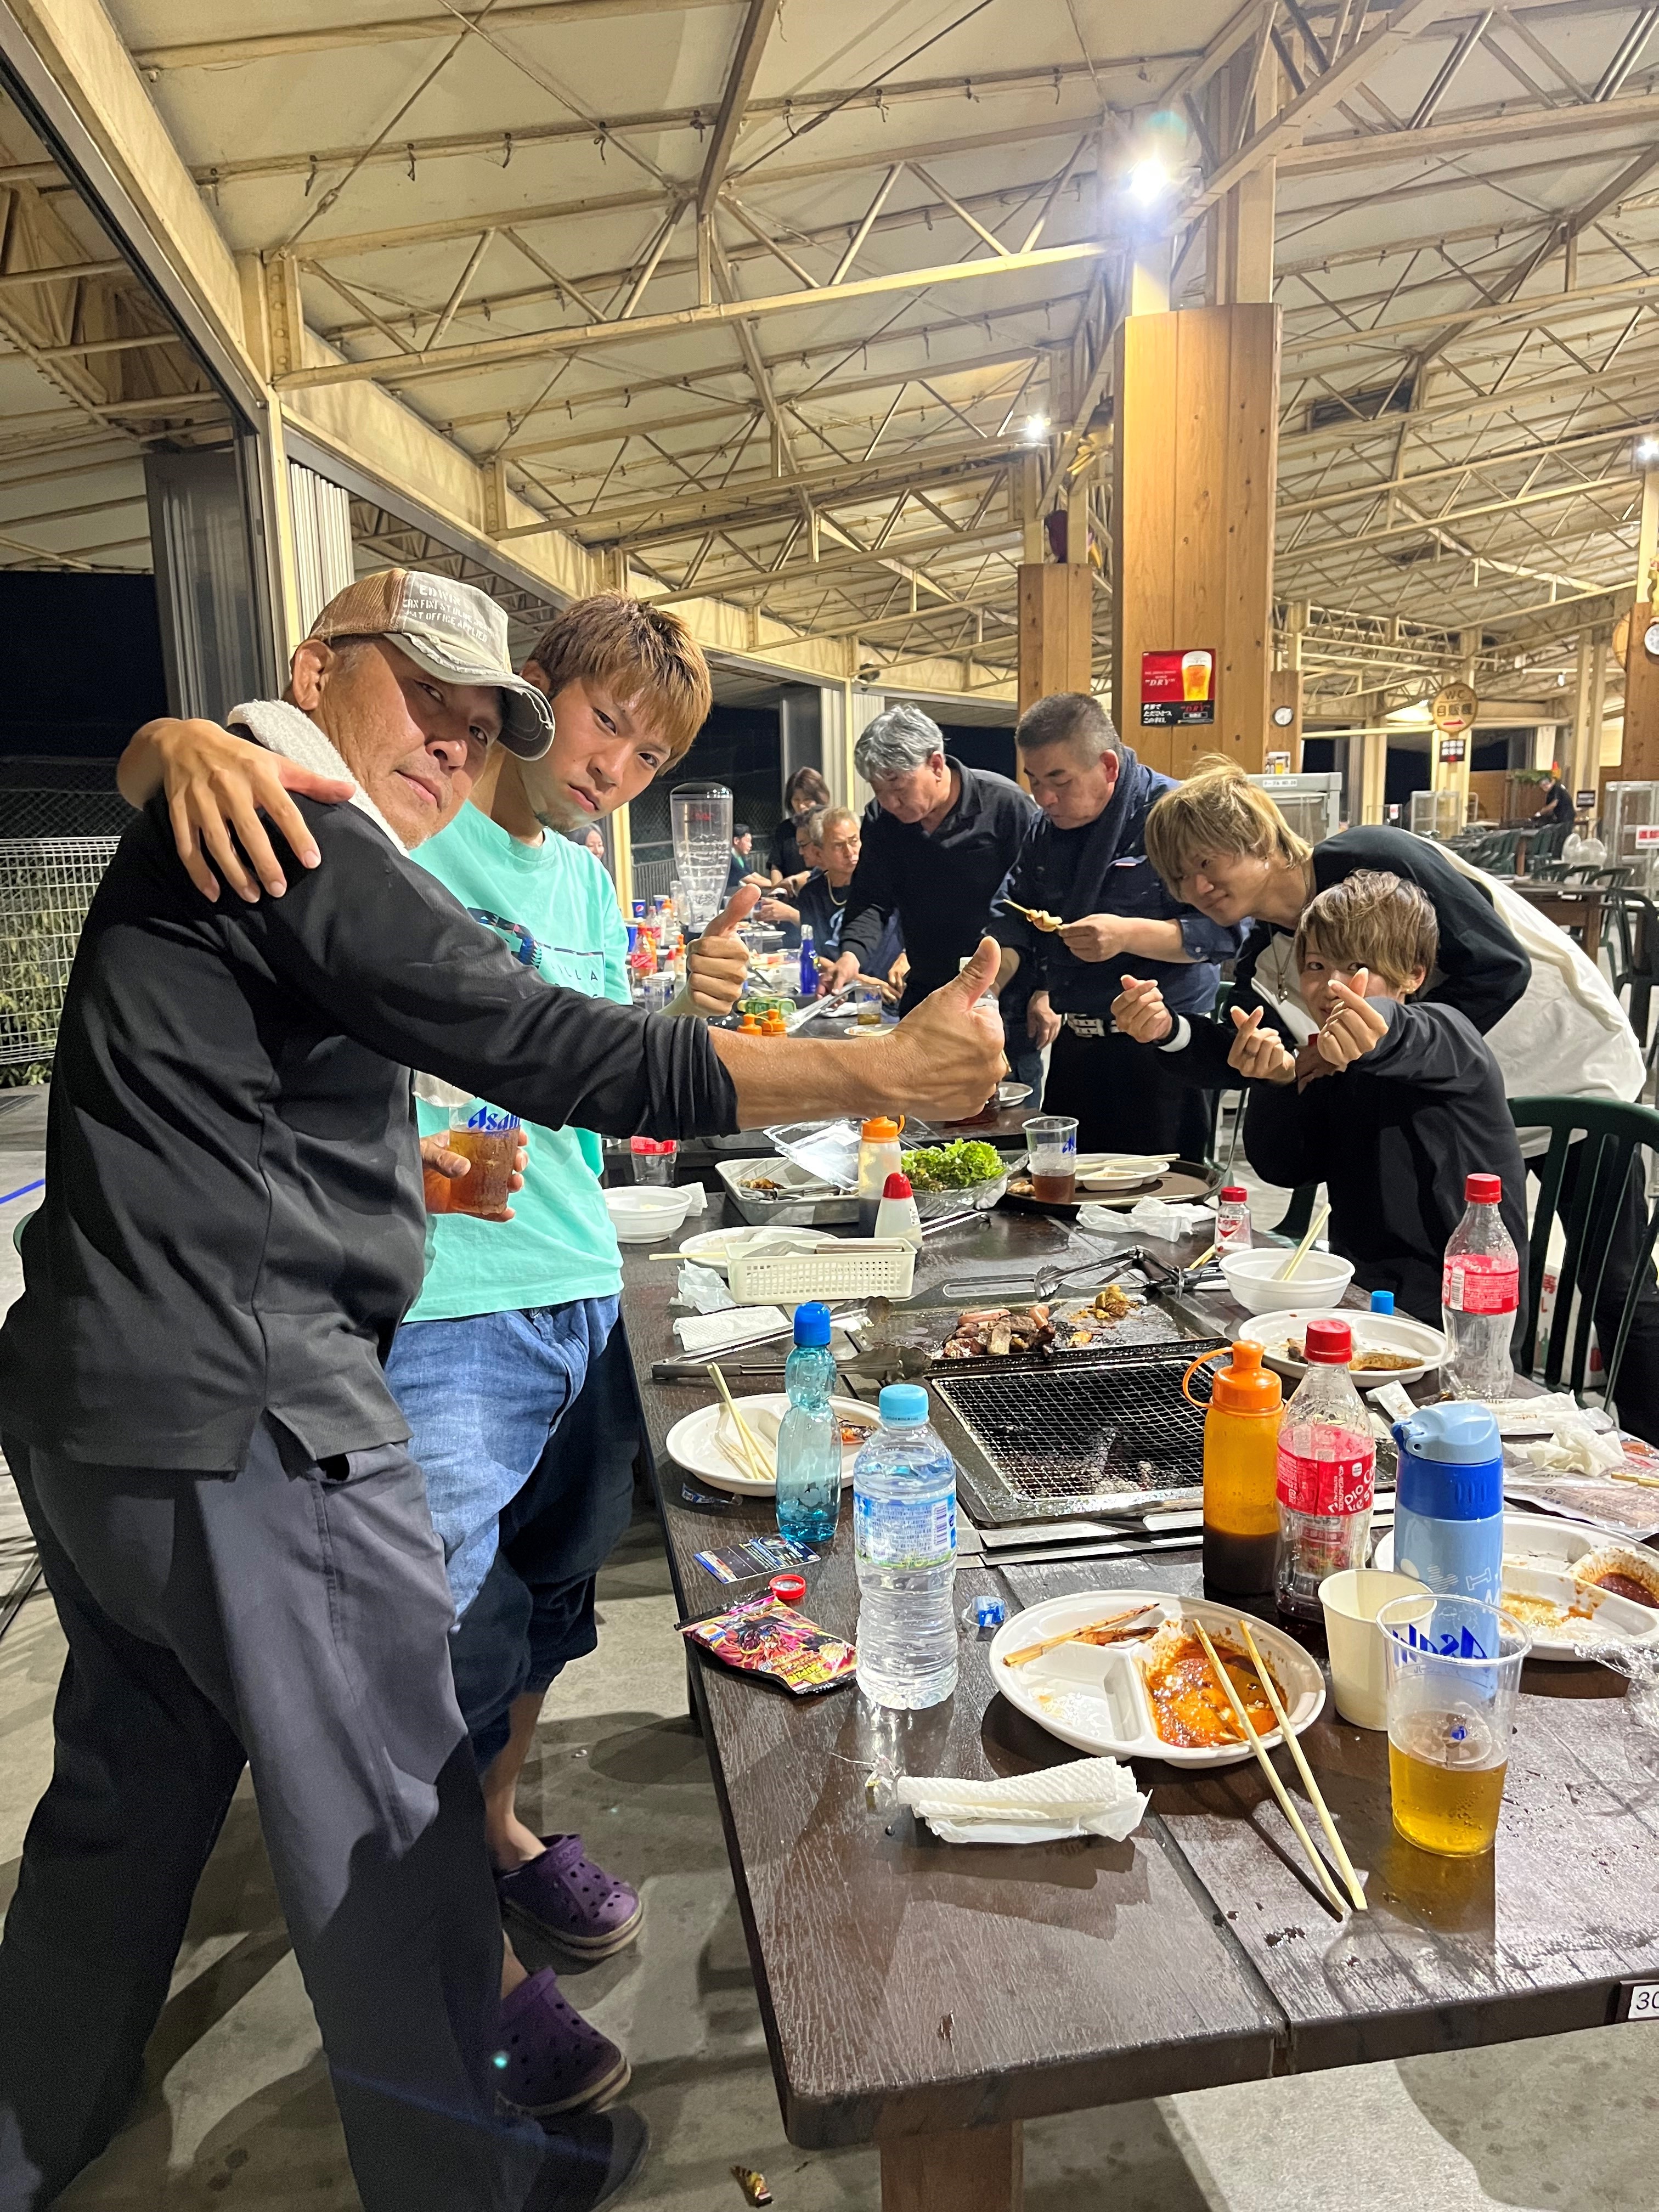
(297, 1618)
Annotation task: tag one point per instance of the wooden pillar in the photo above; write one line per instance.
(622, 855)
(1193, 458)
(1586, 749)
(1370, 782)
(1639, 763)
(971, 2170)
(1056, 618)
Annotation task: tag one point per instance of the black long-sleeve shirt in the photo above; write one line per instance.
(233, 1219)
(1482, 969)
(1392, 1137)
(941, 883)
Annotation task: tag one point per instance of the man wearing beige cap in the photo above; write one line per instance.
(192, 1405)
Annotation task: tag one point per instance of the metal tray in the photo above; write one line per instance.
(817, 1206)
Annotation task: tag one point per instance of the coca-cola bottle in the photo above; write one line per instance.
(1479, 1294)
(1327, 1473)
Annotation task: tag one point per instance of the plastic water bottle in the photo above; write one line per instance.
(1479, 1294)
(808, 1438)
(809, 967)
(1327, 1474)
(904, 1545)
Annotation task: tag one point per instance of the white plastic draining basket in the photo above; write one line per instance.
(845, 1268)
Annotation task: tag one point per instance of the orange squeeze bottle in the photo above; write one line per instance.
(1240, 1457)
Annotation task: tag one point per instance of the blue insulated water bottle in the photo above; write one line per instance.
(1449, 1504)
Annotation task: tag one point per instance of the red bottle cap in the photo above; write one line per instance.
(1483, 1189)
(653, 1147)
(1329, 1343)
(897, 1186)
(788, 1589)
(1236, 1194)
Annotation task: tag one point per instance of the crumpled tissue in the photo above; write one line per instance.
(1577, 1449)
(1090, 1797)
(702, 1290)
(1154, 1218)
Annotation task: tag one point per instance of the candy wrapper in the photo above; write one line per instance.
(762, 1637)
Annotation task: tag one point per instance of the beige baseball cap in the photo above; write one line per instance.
(453, 631)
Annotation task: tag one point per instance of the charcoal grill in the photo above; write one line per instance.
(1103, 1431)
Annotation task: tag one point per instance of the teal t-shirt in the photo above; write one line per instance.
(555, 907)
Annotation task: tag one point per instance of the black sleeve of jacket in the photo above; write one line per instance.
(1429, 1047)
(1483, 964)
(1203, 1059)
(872, 895)
(1286, 1137)
(399, 965)
(1012, 929)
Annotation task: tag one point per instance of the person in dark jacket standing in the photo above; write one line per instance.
(1084, 862)
(804, 790)
(938, 838)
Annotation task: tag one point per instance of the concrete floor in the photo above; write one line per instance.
(237, 2109)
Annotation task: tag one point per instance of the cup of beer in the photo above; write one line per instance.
(490, 1137)
(1051, 1146)
(1454, 1674)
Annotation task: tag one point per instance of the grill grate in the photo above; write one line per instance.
(1087, 1434)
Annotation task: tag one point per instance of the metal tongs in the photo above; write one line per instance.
(802, 1015)
(1043, 1282)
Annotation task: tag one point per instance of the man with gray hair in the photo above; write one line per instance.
(938, 839)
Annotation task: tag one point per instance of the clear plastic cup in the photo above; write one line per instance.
(1454, 1674)
(1051, 1141)
(489, 1138)
(1351, 1602)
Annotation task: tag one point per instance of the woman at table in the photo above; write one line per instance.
(1554, 1024)
(804, 790)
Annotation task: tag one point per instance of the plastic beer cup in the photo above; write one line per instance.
(1454, 1674)
(490, 1137)
(1051, 1141)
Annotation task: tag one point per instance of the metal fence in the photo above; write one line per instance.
(46, 885)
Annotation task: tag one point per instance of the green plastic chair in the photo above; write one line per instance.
(1609, 1135)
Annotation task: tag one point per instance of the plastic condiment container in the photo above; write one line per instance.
(654, 1158)
(1232, 1220)
(1327, 1474)
(879, 1156)
(1449, 1506)
(1241, 1463)
(897, 1215)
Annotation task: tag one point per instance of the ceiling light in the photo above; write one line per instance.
(1647, 452)
(1562, 676)
(1036, 428)
(1148, 180)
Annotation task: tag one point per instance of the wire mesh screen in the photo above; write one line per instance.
(1085, 1435)
(46, 885)
(37, 811)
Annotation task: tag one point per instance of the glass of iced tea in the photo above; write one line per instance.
(1454, 1674)
(1051, 1142)
(490, 1137)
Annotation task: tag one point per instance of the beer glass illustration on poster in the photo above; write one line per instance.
(1177, 689)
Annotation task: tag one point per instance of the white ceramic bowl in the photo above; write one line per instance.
(641, 1214)
(1319, 1281)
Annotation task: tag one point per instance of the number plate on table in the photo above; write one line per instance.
(1637, 1999)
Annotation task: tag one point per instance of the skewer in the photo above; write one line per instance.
(760, 1466)
(1034, 914)
(1269, 1769)
(1035, 1651)
(1315, 1797)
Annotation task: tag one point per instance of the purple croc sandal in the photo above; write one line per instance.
(564, 1896)
(549, 2059)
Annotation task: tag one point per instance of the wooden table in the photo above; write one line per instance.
(1575, 907)
(932, 1997)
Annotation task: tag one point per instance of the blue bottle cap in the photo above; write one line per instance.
(901, 1405)
(812, 1323)
(1451, 1463)
(1382, 1301)
(989, 1612)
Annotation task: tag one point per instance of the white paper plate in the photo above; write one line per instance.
(1092, 1697)
(1537, 1552)
(1384, 1332)
(694, 1444)
(714, 1247)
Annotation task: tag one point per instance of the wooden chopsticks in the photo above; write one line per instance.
(760, 1464)
(1266, 1764)
(1023, 1658)
(1315, 1796)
